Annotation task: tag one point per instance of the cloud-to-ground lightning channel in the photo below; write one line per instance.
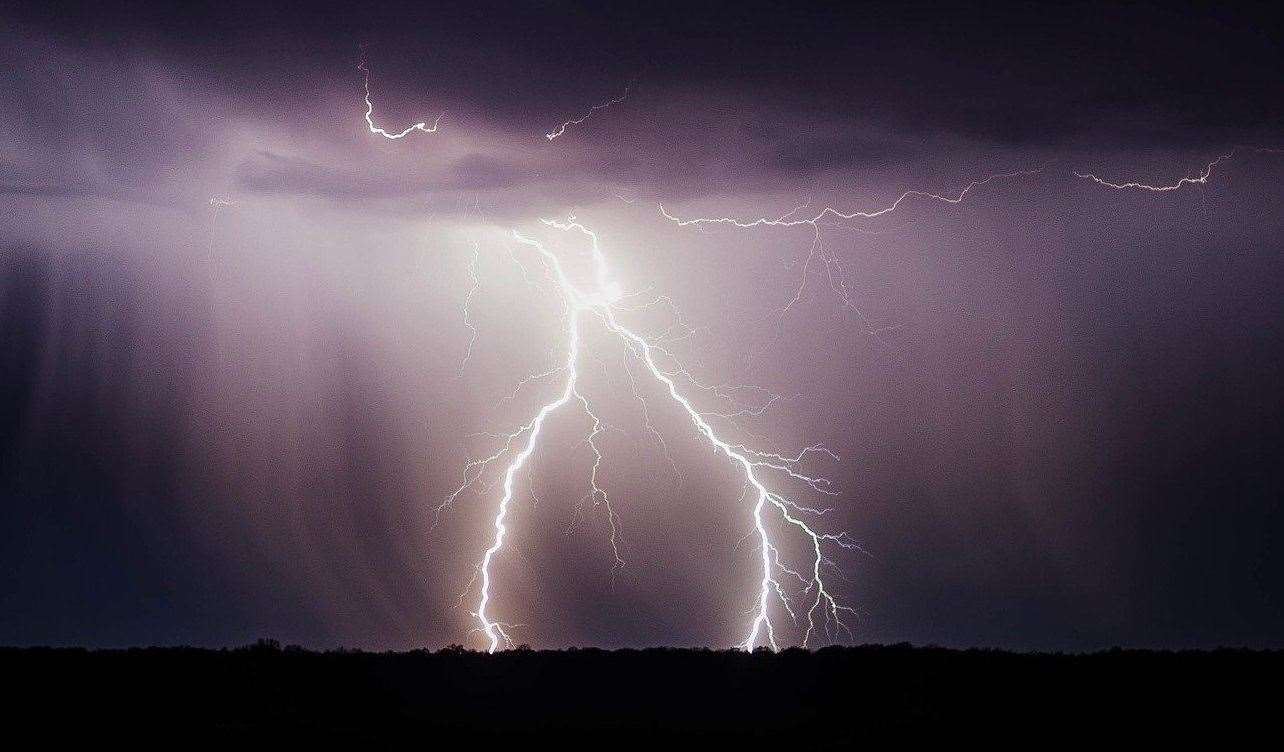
(376, 130)
(755, 465)
(777, 522)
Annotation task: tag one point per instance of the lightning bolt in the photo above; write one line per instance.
(600, 306)
(787, 220)
(376, 130)
(818, 254)
(777, 522)
(757, 467)
(559, 130)
(468, 299)
(1200, 179)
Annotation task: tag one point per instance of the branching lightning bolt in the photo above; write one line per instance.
(603, 305)
(755, 465)
(777, 521)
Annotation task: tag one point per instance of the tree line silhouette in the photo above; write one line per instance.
(828, 698)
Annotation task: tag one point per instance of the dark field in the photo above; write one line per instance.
(831, 698)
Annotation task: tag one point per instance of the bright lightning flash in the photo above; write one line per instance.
(599, 305)
(767, 508)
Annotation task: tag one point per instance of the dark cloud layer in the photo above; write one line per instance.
(1013, 73)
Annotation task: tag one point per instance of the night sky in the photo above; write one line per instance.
(236, 378)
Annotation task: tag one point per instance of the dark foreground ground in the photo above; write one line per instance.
(832, 698)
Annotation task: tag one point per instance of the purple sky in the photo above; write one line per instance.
(1056, 404)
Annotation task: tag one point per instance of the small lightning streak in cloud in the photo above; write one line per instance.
(376, 130)
(468, 300)
(559, 130)
(1200, 179)
(786, 221)
(833, 267)
(217, 204)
